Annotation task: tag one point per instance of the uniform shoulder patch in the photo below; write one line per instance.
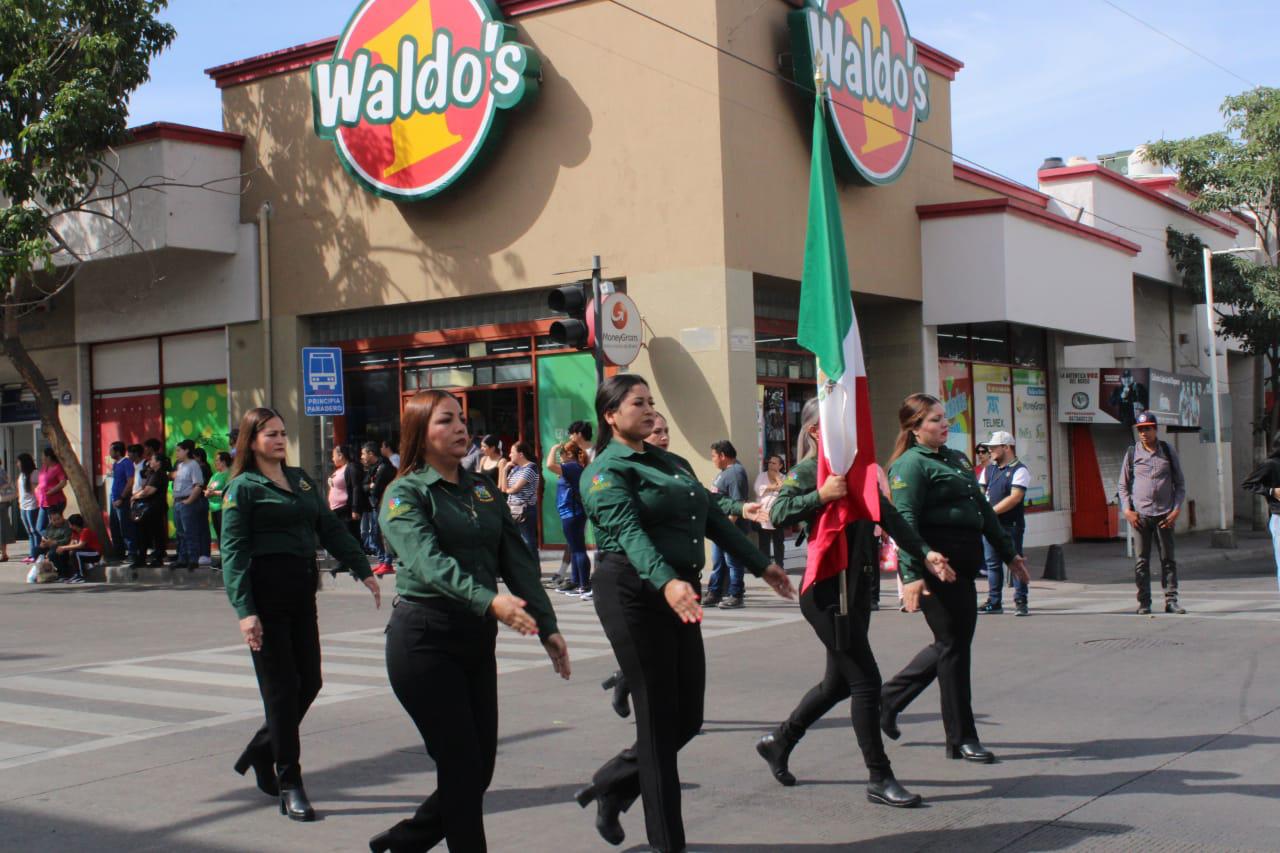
(790, 479)
(304, 485)
(397, 507)
(482, 493)
(897, 482)
(600, 482)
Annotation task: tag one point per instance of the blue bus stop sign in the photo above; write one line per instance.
(322, 381)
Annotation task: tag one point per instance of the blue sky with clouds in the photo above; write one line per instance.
(1039, 79)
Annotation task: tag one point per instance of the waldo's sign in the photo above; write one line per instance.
(876, 88)
(415, 89)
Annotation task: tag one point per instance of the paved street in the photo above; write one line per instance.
(122, 709)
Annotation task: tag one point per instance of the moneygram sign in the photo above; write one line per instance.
(416, 88)
(877, 90)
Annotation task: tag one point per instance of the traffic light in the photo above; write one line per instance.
(574, 300)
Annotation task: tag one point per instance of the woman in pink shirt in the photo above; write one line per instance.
(345, 489)
(50, 486)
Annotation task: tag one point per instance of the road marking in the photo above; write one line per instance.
(42, 717)
(228, 690)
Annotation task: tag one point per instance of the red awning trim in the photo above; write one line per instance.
(1067, 173)
(1036, 214)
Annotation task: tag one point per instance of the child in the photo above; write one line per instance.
(84, 549)
(52, 540)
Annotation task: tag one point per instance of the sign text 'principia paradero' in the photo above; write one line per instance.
(416, 88)
(876, 87)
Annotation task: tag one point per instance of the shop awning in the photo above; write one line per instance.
(1006, 259)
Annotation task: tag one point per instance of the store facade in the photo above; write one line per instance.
(419, 226)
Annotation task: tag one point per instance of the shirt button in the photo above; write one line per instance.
(691, 494)
(694, 540)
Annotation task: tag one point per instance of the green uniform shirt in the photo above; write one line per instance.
(216, 482)
(649, 506)
(937, 488)
(798, 502)
(260, 518)
(455, 541)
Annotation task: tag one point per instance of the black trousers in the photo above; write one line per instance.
(773, 543)
(288, 665)
(441, 662)
(951, 610)
(1149, 531)
(662, 659)
(153, 532)
(851, 671)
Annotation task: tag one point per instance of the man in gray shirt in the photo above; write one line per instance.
(730, 485)
(1151, 492)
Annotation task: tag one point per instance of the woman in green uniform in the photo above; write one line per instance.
(934, 488)
(651, 518)
(851, 664)
(454, 538)
(273, 518)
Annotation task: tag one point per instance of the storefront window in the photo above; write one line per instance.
(999, 389)
(953, 342)
(513, 371)
(369, 359)
(507, 347)
(990, 342)
(444, 353)
(373, 405)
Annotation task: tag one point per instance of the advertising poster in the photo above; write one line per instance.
(1031, 414)
(957, 395)
(1078, 396)
(992, 400)
(1124, 394)
(565, 387)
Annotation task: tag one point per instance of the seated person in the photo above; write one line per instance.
(84, 548)
(55, 536)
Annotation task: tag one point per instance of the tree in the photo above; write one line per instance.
(67, 69)
(1237, 169)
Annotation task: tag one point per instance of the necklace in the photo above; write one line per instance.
(469, 506)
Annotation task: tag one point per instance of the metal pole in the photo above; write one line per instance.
(1213, 378)
(596, 297)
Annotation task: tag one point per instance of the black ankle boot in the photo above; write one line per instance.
(971, 751)
(775, 748)
(293, 797)
(621, 693)
(260, 760)
(890, 793)
(889, 723)
(608, 808)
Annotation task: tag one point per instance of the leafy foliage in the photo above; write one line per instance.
(1237, 168)
(67, 69)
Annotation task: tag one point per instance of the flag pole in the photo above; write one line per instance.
(842, 617)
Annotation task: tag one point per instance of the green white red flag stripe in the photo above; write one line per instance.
(829, 330)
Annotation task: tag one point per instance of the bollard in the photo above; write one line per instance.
(1055, 564)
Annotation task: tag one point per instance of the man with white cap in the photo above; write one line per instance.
(1006, 483)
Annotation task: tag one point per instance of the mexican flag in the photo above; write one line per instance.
(828, 329)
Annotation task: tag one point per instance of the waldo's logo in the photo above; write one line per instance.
(414, 89)
(876, 88)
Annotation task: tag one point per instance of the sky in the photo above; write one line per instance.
(1039, 80)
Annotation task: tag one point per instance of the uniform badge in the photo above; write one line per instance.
(964, 463)
(482, 493)
(897, 483)
(228, 503)
(304, 485)
(790, 480)
(396, 507)
(598, 483)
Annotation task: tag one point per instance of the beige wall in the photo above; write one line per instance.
(617, 157)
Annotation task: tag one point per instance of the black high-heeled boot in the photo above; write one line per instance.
(775, 748)
(889, 792)
(405, 837)
(293, 797)
(260, 760)
(608, 808)
(971, 751)
(621, 693)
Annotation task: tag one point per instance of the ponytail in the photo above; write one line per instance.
(912, 413)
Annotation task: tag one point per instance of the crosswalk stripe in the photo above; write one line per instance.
(236, 660)
(134, 695)
(14, 750)
(191, 676)
(73, 721)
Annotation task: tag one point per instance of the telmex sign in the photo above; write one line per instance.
(876, 89)
(416, 88)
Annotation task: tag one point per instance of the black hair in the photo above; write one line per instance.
(76, 520)
(224, 457)
(609, 397)
(154, 445)
(26, 467)
(491, 441)
(372, 446)
(117, 447)
(50, 455)
(393, 442)
(725, 448)
(187, 445)
(135, 450)
(525, 449)
(344, 450)
(201, 454)
(581, 428)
